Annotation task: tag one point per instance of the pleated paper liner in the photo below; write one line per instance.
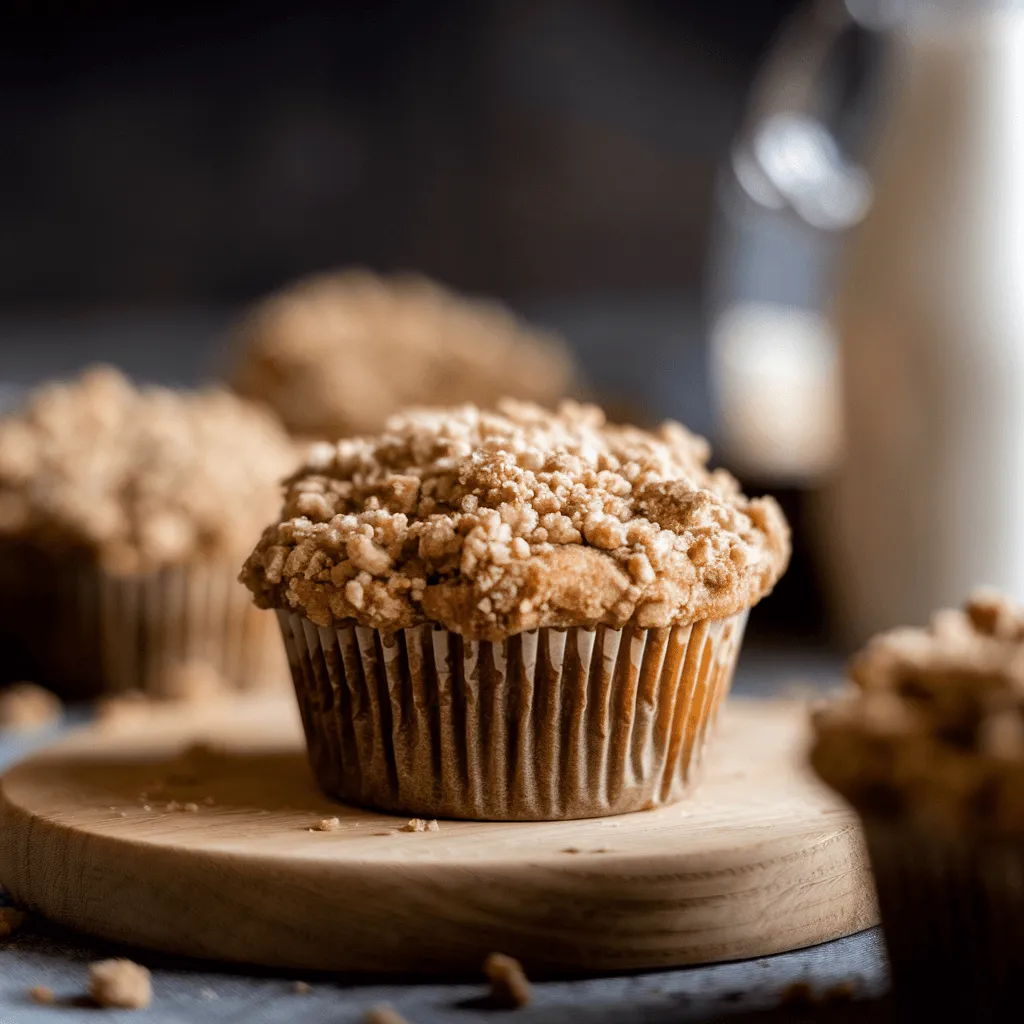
(83, 632)
(953, 915)
(550, 724)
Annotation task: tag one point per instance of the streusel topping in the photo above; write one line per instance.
(933, 729)
(336, 354)
(139, 478)
(495, 523)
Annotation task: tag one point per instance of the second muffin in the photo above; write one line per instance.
(513, 615)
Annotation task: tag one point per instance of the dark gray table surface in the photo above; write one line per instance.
(193, 991)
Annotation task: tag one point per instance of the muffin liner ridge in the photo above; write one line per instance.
(103, 633)
(952, 911)
(549, 724)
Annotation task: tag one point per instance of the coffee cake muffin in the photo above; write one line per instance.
(335, 354)
(929, 750)
(123, 514)
(513, 615)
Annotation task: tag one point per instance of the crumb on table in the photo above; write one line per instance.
(327, 825)
(42, 994)
(383, 1014)
(26, 706)
(120, 983)
(302, 988)
(11, 919)
(509, 985)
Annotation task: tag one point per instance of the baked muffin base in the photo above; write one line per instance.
(549, 724)
(953, 916)
(83, 632)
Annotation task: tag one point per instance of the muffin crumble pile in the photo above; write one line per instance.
(935, 727)
(494, 523)
(139, 478)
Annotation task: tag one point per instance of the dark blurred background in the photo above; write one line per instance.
(169, 154)
(165, 164)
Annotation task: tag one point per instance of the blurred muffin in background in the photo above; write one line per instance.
(334, 355)
(929, 749)
(123, 515)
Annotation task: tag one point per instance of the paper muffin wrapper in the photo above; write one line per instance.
(85, 633)
(549, 724)
(953, 916)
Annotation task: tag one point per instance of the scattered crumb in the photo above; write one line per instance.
(383, 1014)
(799, 993)
(432, 825)
(120, 983)
(172, 805)
(302, 988)
(147, 807)
(25, 706)
(122, 814)
(509, 985)
(11, 919)
(42, 995)
(571, 849)
(326, 825)
(208, 993)
(840, 993)
(415, 825)
(190, 807)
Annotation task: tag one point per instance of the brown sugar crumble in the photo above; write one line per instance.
(42, 995)
(383, 1014)
(510, 987)
(138, 478)
(121, 984)
(933, 727)
(491, 524)
(336, 354)
(420, 825)
(11, 919)
(26, 706)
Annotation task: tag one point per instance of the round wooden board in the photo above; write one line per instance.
(758, 861)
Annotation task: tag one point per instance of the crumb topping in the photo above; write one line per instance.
(933, 728)
(494, 523)
(335, 354)
(139, 478)
(120, 984)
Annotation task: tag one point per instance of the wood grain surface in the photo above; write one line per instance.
(130, 832)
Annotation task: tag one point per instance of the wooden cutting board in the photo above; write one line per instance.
(120, 832)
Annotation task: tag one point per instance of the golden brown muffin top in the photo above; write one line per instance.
(335, 354)
(139, 478)
(494, 523)
(933, 730)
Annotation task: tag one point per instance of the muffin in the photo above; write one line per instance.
(513, 615)
(929, 750)
(123, 516)
(335, 354)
